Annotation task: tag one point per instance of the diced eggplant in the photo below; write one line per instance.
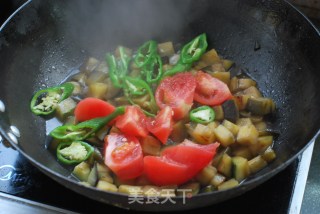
(106, 186)
(227, 64)
(89, 65)
(206, 174)
(247, 135)
(260, 106)
(70, 120)
(192, 187)
(80, 78)
(150, 146)
(121, 101)
(218, 67)
(269, 155)
(166, 49)
(117, 181)
(103, 173)
(231, 126)
(93, 176)
(241, 101)
(97, 90)
(166, 67)
(252, 91)
(207, 59)
(224, 136)
(223, 76)
(96, 76)
(240, 168)
(209, 188)
(228, 184)
(65, 108)
(103, 68)
(102, 132)
(263, 143)
(111, 90)
(225, 165)
(203, 134)
(219, 115)
(231, 111)
(217, 158)
(131, 190)
(237, 84)
(179, 132)
(244, 122)
(82, 171)
(257, 164)
(217, 180)
(242, 151)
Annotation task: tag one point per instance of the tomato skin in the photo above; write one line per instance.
(178, 164)
(133, 122)
(161, 171)
(90, 108)
(123, 155)
(177, 92)
(161, 126)
(210, 90)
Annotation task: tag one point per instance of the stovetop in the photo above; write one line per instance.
(24, 189)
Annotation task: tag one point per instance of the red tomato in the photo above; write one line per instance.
(178, 164)
(161, 126)
(210, 91)
(123, 155)
(133, 122)
(196, 156)
(90, 108)
(161, 171)
(177, 92)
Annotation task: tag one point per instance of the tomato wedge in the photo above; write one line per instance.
(177, 92)
(210, 91)
(161, 126)
(196, 156)
(178, 164)
(133, 122)
(123, 155)
(90, 108)
(162, 171)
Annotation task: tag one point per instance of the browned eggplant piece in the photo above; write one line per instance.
(231, 111)
(89, 65)
(260, 106)
(93, 176)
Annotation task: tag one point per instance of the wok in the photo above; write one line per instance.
(46, 39)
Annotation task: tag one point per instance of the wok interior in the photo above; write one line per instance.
(47, 39)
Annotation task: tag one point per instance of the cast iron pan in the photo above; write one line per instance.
(46, 39)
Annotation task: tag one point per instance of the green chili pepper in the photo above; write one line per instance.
(190, 53)
(145, 53)
(85, 129)
(134, 88)
(45, 101)
(74, 152)
(118, 68)
(153, 69)
(203, 114)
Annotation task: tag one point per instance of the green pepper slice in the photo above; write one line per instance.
(190, 53)
(203, 114)
(145, 53)
(74, 152)
(44, 102)
(85, 129)
(118, 68)
(135, 87)
(153, 70)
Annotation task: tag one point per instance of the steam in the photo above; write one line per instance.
(99, 26)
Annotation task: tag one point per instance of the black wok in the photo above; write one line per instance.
(46, 39)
